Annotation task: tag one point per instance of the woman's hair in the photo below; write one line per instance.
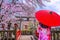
(43, 26)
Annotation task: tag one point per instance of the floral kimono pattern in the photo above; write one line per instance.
(44, 33)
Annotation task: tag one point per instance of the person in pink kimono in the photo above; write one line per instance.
(44, 32)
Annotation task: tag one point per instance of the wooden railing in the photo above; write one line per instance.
(7, 35)
(55, 34)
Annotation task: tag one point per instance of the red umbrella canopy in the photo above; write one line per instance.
(48, 17)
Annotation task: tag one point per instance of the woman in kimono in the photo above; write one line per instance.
(18, 31)
(44, 32)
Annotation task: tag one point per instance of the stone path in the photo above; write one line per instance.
(26, 37)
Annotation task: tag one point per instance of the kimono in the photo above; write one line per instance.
(18, 34)
(44, 33)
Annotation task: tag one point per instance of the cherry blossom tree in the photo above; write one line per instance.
(19, 7)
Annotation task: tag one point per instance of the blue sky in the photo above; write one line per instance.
(53, 5)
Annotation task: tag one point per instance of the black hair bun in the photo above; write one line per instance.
(43, 26)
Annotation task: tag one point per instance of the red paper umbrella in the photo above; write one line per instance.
(47, 17)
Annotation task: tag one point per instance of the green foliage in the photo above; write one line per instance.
(26, 32)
